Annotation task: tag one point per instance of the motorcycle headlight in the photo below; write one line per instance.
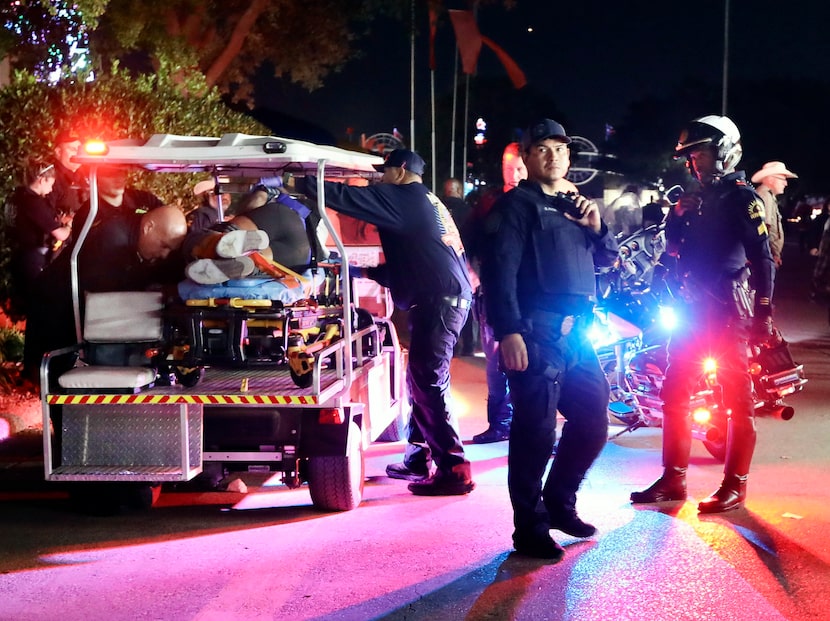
(668, 318)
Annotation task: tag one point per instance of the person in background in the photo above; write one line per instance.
(70, 189)
(538, 276)
(426, 273)
(714, 233)
(460, 210)
(770, 182)
(207, 213)
(116, 199)
(35, 229)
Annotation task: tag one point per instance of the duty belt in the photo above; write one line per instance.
(542, 321)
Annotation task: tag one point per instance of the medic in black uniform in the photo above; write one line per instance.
(538, 272)
(715, 233)
(425, 270)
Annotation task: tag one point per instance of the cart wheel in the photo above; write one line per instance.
(336, 482)
(188, 376)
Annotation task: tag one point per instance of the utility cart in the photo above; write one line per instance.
(272, 378)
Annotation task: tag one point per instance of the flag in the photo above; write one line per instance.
(467, 37)
(516, 75)
(433, 27)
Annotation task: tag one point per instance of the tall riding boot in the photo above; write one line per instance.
(740, 445)
(677, 444)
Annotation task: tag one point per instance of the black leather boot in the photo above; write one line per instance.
(669, 487)
(677, 444)
(730, 495)
(740, 445)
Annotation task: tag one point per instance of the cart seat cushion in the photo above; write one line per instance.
(255, 289)
(123, 317)
(97, 378)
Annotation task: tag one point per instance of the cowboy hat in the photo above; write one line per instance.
(773, 168)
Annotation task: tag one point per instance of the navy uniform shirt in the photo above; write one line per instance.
(715, 242)
(421, 244)
(535, 259)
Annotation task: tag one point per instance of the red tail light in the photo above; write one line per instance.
(702, 416)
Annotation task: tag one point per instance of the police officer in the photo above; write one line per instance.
(714, 233)
(538, 272)
(425, 270)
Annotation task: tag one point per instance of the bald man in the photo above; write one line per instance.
(119, 254)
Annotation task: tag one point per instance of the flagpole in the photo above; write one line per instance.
(466, 123)
(432, 98)
(454, 108)
(412, 80)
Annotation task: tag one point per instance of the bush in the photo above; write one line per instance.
(11, 345)
(114, 106)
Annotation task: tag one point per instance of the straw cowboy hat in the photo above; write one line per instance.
(773, 168)
(204, 186)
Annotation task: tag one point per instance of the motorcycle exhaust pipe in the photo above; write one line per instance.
(714, 435)
(782, 412)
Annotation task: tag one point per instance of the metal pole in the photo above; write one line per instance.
(454, 108)
(466, 122)
(432, 98)
(412, 80)
(725, 56)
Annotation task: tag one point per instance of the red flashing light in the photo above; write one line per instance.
(96, 147)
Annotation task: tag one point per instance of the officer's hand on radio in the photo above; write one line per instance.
(686, 203)
(586, 213)
(513, 351)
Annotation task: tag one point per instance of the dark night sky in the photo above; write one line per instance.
(593, 57)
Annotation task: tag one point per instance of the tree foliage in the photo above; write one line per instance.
(228, 41)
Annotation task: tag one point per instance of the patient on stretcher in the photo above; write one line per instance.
(246, 246)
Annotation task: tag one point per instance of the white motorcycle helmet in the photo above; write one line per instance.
(718, 132)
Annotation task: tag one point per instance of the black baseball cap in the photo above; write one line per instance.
(403, 158)
(67, 135)
(542, 130)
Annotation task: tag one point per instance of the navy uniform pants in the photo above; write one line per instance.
(565, 375)
(432, 433)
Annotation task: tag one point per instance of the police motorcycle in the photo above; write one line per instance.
(640, 292)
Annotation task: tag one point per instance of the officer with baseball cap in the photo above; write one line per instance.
(538, 274)
(426, 272)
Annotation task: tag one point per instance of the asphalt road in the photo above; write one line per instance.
(268, 554)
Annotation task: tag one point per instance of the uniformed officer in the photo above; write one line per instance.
(714, 233)
(425, 270)
(538, 272)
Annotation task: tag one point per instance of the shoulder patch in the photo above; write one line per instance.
(756, 213)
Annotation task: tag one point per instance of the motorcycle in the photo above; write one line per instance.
(634, 320)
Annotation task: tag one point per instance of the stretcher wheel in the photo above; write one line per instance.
(303, 380)
(188, 376)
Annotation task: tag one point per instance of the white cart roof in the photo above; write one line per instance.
(233, 154)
